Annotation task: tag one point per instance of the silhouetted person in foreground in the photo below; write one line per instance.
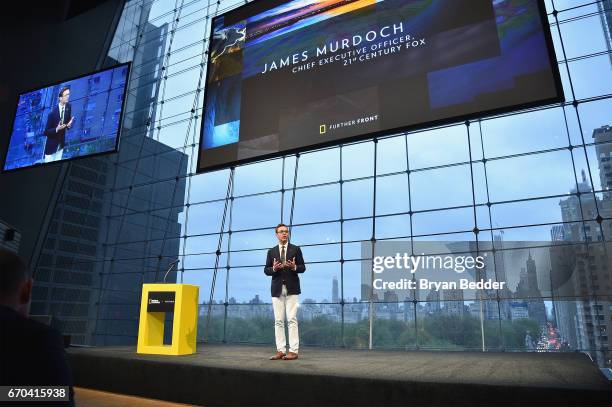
(31, 353)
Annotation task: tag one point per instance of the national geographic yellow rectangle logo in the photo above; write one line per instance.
(322, 129)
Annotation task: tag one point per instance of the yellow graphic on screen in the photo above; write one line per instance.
(350, 6)
(322, 129)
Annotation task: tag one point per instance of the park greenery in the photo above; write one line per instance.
(435, 331)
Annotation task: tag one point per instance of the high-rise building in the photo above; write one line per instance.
(557, 233)
(562, 257)
(603, 147)
(433, 301)
(335, 292)
(453, 302)
(605, 13)
(391, 300)
(65, 274)
(589, 267)
(498, 266)
(529, 291)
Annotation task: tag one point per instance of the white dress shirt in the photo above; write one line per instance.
(280, 251)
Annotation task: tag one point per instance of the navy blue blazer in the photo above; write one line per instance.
(286, 276)
(56, 140)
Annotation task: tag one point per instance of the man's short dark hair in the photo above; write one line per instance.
(61, 92)
(280, 225)
(13, 272)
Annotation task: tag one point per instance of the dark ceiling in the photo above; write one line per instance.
(49, 10)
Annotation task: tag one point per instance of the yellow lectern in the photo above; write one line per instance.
(157, 300)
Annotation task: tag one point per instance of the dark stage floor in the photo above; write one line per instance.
(220, 375)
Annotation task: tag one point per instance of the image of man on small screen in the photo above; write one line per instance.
(57, 125)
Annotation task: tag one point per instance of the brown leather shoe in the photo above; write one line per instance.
(291, 356)
(278, 355)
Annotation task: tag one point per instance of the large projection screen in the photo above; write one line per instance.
(286, 76)
(77, 117)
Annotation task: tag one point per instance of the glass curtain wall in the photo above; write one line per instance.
(529, 190)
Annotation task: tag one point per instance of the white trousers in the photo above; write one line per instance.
(286, 305)
(55, 156)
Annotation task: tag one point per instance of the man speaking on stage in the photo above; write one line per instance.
(283, 263)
